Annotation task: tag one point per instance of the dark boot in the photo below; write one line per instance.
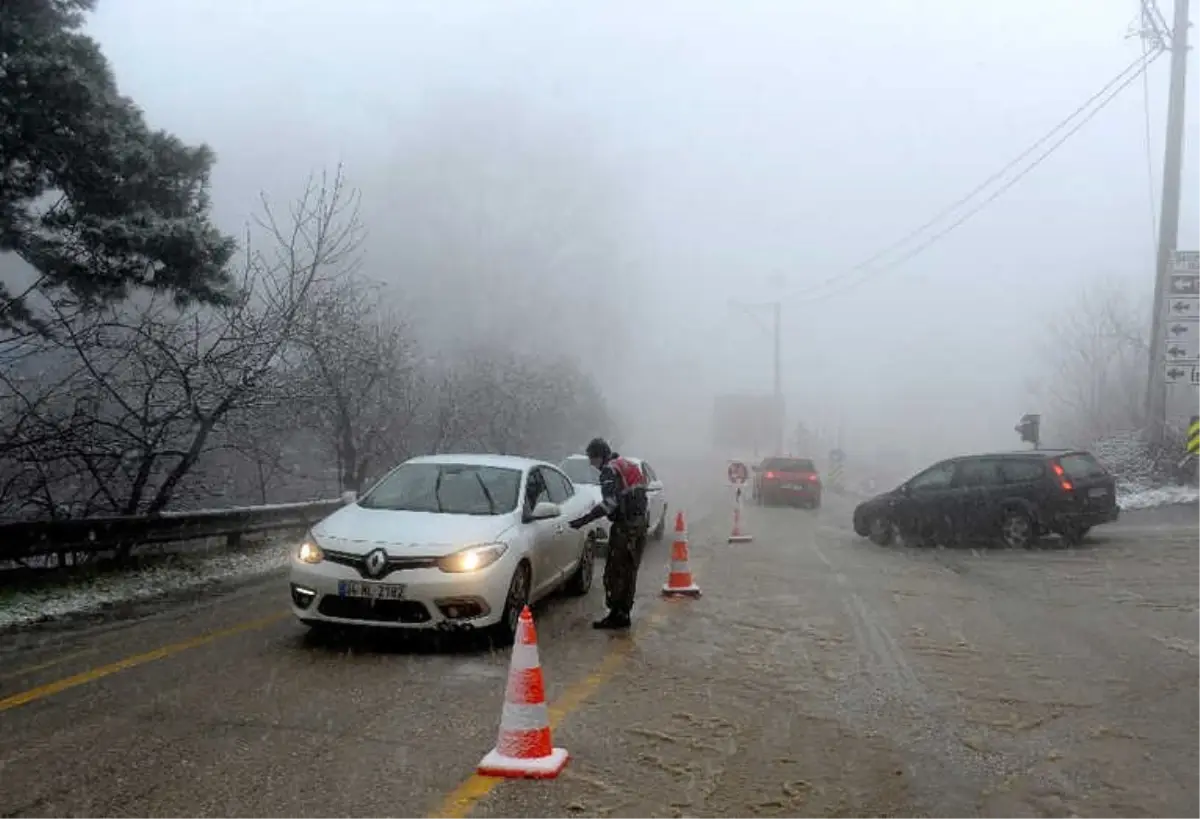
(612, 621)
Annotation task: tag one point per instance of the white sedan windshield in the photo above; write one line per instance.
(452, 489)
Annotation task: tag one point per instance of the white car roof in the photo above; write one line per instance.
(578, 457)
(499, 461)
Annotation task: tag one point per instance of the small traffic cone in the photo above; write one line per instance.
(738, 536)
(523, 749)
(679, 581)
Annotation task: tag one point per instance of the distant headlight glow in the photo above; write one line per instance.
(473, 558)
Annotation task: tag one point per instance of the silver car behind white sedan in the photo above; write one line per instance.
(456, 542)
(587, 478)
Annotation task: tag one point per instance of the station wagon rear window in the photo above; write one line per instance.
(1082, 465)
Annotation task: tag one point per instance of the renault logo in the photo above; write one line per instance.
(376, 562)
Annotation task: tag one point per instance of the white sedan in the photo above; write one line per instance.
(587, 478)
(455, 542)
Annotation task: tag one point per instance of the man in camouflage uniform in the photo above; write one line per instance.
(623, 502)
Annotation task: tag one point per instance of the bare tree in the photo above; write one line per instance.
(498, 401)
(147, 383)
(1095, 355)
(357, 371)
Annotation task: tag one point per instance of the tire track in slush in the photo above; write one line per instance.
(912, 716)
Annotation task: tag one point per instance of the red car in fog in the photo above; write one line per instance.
(787, 480)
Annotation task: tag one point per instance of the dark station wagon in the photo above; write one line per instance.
(1016, 497)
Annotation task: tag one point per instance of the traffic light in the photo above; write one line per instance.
(1029, 428)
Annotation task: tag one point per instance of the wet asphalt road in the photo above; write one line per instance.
(818, 675)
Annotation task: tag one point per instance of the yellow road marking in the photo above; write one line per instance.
(63, 658)
(91, 675)
(458, 802)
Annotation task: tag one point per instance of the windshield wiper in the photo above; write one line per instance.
(437, 487)
(486, 494)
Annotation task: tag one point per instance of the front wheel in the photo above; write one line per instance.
(881, 531)
(661, 528)
(580, 581)
(504, 632)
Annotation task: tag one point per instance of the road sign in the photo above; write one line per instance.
(1185, 261)
(1183, 308)
(1181, 352)
(1193, 435)
(1029, 428)
(738, 473)
(1184, 332)
(837, 456)
(1185, 284)
(1182, 374)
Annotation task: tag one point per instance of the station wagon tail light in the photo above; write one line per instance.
(812, 476)
(770, 476)
(309, 552)
(1061, 474)
(472, 559)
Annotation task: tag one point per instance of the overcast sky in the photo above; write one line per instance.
(744, 140)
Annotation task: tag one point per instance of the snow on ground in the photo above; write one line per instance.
(53, 601)
(1138, 496)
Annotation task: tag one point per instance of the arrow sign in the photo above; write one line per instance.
(1183, 349)
(1178, 330)
(1180, 373)
(1185, 308)
(1185, 285)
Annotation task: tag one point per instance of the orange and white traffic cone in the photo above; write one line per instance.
(679, 581)
(523, 749)
(738, 536)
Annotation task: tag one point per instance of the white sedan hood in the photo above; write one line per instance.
(590, 491)
(356, 530)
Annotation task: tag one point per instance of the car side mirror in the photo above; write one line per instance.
(545, 511)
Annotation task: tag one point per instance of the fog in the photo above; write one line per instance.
(605, 178)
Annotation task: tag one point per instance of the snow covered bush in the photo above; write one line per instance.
(1146, 475)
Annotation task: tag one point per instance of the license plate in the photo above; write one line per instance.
(1098, 492)
(799, 487)
(371, 591)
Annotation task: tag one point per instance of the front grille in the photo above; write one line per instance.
(377, 611)
(394, 564)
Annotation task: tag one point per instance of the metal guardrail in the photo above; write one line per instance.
(22, 539)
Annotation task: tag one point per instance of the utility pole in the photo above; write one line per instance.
(1168, 223)
(777, 339)
(777, 310)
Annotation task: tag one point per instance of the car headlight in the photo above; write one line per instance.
(473, 558)
(309, 551)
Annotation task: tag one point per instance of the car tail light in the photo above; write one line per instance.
(813, 477)
(1061, 474)
(770, 476)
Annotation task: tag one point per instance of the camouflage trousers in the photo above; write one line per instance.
(626, 542)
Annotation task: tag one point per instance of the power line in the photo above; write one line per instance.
(1115, 86)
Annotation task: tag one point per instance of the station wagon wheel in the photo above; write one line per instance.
(1017, 529)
